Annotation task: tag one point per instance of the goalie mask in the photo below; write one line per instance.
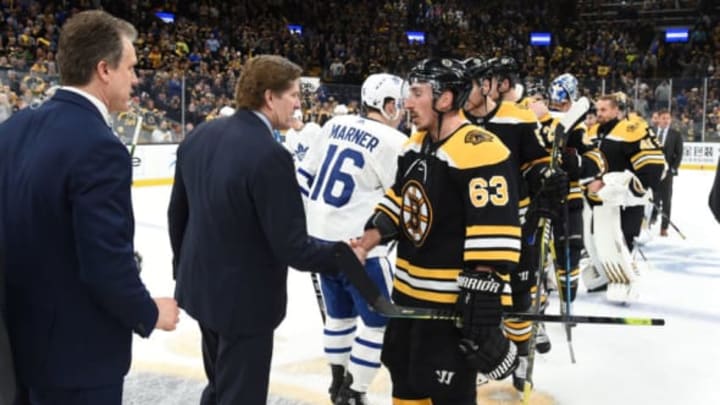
(380, 87)
(443, 75)
(563, 88)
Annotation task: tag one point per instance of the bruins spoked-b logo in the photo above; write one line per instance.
(416, 212)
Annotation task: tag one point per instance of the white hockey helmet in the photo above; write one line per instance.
(226, 111)
(379, 87)
(564, 88)
(340, 109)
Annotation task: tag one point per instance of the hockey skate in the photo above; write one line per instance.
(542, 339)
(520, 373)
(338, 378)
(348, 396)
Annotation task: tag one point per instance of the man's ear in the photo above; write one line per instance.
(268, 98)
(103, 70)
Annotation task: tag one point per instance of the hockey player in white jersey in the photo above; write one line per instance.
(343, 180)
(301, 137)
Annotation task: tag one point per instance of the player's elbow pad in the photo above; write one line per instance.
(384, 224)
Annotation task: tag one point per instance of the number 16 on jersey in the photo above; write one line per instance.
(334, 185)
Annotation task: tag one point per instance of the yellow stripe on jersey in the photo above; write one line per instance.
(492, 230)
(389, 213)
(646, 157)
(424, 401)
(439, 297)
(527, 166)
(390, 193)
(598, 159)
(524, 202)
(472, 146)
(425, 272)
(491, 255)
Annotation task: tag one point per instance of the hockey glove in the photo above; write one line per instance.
(555, 186)
(480, 304)
(571, 163)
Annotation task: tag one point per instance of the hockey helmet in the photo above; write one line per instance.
(443, 74)
(564, 88)
(379, 87)
(476, 67)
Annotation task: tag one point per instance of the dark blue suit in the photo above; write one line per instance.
(236, 222)
(73, 291)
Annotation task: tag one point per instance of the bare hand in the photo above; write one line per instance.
(168, 313)
(359, 250)
(595, 185)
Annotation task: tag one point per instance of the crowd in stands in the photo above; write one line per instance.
(203, 50)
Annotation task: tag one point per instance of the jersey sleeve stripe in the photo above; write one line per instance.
(424, 272)
(489, 243)
(527, 166)
(492, 255)
(645, 162)
(492, 230)
(438, 297)
(307, 176)
(393, 217)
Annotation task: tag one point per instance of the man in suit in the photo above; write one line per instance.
(7, 371)
(236, 222)
(672, 145)
(74, 295)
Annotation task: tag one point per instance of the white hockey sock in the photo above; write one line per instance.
(365, 357)
(338, 339)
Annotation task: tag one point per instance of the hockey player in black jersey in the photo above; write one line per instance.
(453, 211)
(583, 163)
(492, 104)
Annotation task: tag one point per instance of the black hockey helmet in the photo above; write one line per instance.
(476, 67)
(505, 67)
(443, 74)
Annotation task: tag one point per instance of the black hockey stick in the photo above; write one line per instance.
(318, 295)
(664, 215)
(355, 272)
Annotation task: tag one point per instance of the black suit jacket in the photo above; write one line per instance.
(7, 371)
(73, 291)
(236, 222)
(673, 150)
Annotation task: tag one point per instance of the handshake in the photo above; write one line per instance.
(168, 313)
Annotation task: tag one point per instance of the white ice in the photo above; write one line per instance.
(675, 364)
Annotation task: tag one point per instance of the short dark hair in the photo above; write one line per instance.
(264, 72)
(88, 38)
(663, 111)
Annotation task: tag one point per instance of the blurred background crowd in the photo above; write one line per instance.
(188, 67)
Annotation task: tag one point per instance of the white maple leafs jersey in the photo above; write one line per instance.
(300, 142)
(345, 176)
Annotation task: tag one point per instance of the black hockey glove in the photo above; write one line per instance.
(555, 186)
(479, 303)
(571, 162)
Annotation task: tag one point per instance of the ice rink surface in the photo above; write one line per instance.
(675, 364)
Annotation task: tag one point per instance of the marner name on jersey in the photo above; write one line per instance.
(354, 135)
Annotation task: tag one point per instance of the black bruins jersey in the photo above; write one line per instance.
(630, 144)
(455, 205)
(592, 164)
(515, 125)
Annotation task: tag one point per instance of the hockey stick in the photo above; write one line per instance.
(355, 272)
(664, 215)
(571, 118)
(318, 295)
(136, 134)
